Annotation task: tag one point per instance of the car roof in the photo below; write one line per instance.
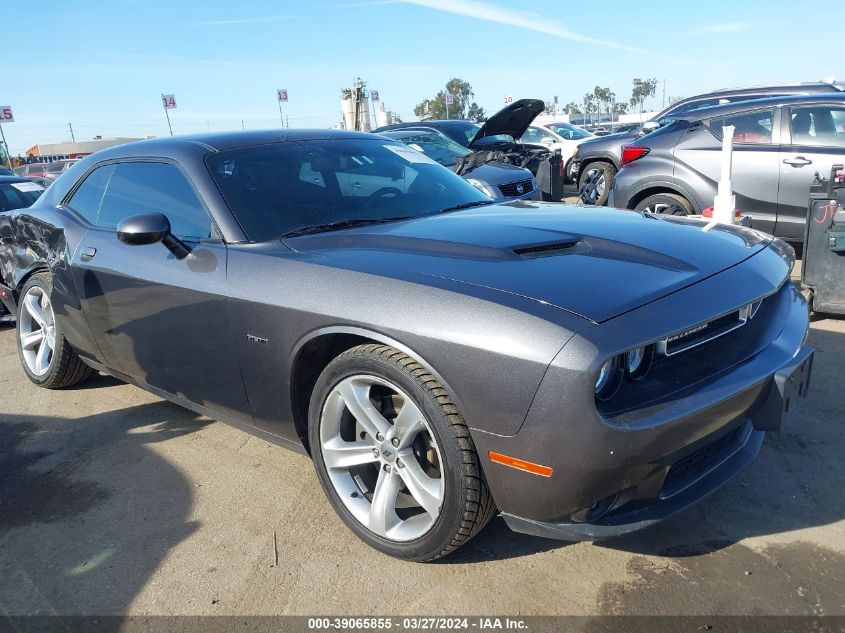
(405, 132)
(758, 104)
(222, 141)
(10, 179)
(430, 123)
(808, 86)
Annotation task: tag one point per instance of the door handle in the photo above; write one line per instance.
(87, 254)
(798, 161)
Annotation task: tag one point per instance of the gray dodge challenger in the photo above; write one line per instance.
(440, 357)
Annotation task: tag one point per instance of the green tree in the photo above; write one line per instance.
(572, 108)
(602, 97)
(462, 106)
(475, 113)
(589, 104)
(642, 89)
(620, 107)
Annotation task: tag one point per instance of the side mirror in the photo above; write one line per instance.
(151, 228)
(139, 230)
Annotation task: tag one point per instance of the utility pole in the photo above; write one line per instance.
(6, 145)
(72, 137)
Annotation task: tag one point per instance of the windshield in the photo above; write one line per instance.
(18, 195)
(460, 131)
(434, 145)
(280, 188)
(570, 132)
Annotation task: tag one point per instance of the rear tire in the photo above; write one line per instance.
(595, 183)
(47, 358)
(665, 204)
(427, 454)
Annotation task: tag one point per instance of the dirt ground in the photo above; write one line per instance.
(113, 501)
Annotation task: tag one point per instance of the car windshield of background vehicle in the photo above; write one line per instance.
(570, 132)
(750, 127)
(822, 126)
(18, 195)
(436, 146)
(277, 189)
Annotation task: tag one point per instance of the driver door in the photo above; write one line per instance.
(156, 318)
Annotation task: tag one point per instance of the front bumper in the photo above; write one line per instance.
(612, 477)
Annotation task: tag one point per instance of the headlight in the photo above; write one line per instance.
(610, 378)
(482, 187)
(638, 362)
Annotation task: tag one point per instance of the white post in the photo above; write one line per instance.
(724, 204)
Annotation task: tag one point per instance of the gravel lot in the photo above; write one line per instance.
(113, 501)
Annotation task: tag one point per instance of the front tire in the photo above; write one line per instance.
(47, 358)
(666, 204)
(394, 456)
(595, 182)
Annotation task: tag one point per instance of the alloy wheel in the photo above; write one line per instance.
(381, 457)
(593, 186)
(37, 330)
(665, 209)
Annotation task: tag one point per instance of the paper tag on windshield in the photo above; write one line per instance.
(409, 154)
(27, 186)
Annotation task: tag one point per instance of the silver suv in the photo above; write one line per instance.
(596, 161)
(780, 143)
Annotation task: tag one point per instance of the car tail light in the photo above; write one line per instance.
(630, 153)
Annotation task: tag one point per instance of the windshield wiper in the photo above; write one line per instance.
(342, 224)
(467, 205)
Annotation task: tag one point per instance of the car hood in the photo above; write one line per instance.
(511, 120)
(596, 263)
(607, 139)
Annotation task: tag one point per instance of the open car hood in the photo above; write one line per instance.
(511, 120)
(596, 263)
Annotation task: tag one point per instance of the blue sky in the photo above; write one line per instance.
(102, 65)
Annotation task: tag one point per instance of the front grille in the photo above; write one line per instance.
(512, 189)
(688, 469)
(704, 332)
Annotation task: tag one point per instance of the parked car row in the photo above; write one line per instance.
(784, 136)
(15, 193)
(51, 171)
(598, 160)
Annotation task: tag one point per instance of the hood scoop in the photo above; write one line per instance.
(569, 247)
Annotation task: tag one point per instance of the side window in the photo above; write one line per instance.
(87, 199)
(137, 188)
(532, 135)
(751, 127)
(818, 125)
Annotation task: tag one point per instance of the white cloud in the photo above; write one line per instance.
(519, 19)
(269, 18)
(724, 27)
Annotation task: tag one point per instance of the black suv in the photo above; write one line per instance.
(596, 161)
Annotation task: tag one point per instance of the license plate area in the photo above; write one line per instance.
(793, 383)
(788, 391)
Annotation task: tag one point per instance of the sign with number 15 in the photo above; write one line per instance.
(6, 115)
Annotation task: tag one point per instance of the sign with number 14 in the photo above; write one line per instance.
(168, 101)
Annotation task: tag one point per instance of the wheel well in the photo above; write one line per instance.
(17, 290)
(642, 195)
(593, 161)
(309, 363)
